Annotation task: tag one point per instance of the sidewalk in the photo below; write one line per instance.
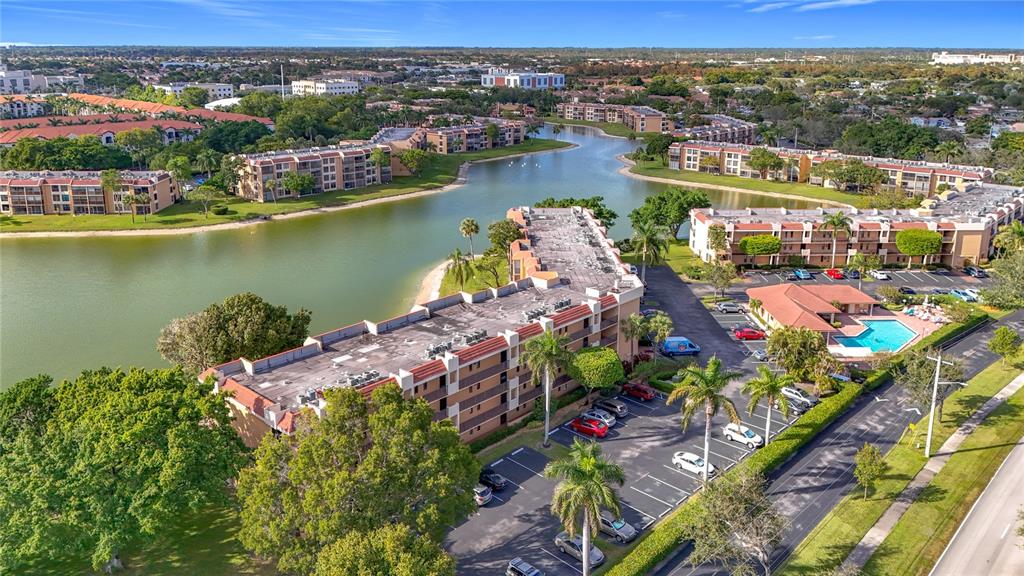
(874, 538)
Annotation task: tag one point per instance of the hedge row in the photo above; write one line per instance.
(665, 537)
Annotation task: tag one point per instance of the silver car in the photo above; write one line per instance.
(600, 416)
(574, 547)
(613, 406)
(617, 528)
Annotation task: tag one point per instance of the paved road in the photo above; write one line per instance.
(973, 349)
(987, 541)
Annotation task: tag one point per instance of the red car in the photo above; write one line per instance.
(835, 274)
(748, 334)
(589, 427)
(640, 391)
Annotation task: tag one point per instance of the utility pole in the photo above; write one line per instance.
(282, 81)
(935, 393)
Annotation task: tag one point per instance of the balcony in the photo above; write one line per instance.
(436, 394)
(482, 417)
(469, 380)
(608, 340)
(485, 395)
(608, 323)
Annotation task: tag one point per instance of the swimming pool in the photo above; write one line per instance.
(889, 335)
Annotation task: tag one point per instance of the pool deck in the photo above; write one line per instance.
(852, 324)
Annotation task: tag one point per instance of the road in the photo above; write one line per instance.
(987, 540)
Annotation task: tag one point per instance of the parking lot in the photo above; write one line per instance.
(518, 522)
(920, 280)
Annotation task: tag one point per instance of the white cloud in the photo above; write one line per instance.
(815, 37)
(827, 4)
(768, 7)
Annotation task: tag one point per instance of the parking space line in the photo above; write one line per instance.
(716, 453)
(493, 495)
(560, 560)
(665, 512)
(498, 461)
(642, 513)
(651, 497)
(535, 473)
(648, 525)
(732, 445)
(678, 471)
(573, 432)
(635, 402)
(666, 483)
(518, 450)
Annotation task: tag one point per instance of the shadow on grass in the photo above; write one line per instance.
(10, 221)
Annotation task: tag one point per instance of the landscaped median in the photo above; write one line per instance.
(838, 533)
(439, 172)
(656, 169)
(656, 545)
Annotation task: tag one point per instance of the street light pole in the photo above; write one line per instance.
(935, 393)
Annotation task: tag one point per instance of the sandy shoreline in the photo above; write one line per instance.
(459, 181)
(629, 163)
(430, 287)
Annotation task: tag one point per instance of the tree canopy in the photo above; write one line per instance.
(116, 458)
(670, 208)
(502, 233)
(596, 368)
(84, 152)
(760, 244)
(890, 138)
(365, 464)
(918, 242)
(243, 325)
(595, 204)
(387, 551)
(797, 350)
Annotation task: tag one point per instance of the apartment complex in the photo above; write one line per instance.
(324, 87)
(967, 221)
(636, 118)
(526, 79)
(95, 104)
(23, 82)
(461, 353)
(342, 167)
(170, 131)
(473, 137)
(945, 58)
(22, 106)
(720, 128)
(914, 177)
(80, 193)
(216, 90)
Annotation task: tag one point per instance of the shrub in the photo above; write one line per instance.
(795, 260)
(693, 272)
(219, 210)
(760, 244)
(889, 293)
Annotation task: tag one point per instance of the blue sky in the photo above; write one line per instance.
(683, 24)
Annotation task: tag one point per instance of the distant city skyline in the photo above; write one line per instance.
(726, 24)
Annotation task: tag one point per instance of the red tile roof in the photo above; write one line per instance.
(50, 132)
(286, 423)
(800, 305)
(574, 313)
(480, 350)
(607, 301)
(428, 370)
(247, 397)
(529, 331)
(369, 388)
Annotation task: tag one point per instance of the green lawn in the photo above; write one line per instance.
(840, 531)
(920, 536)
(659, 170)
(442, 170)
(610, 128)
(204, 544)
(678, 258)
(477, 282)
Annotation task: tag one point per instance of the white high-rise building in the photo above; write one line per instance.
(216, 90)
(982, 58)
(324, 87)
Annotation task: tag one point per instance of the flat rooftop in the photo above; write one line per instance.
(569, 243)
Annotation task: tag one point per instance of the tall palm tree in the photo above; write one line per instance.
(586, 486)
(1010, 237)
(649, 240)
(862, 263)
(702, 387)
(207, 161)
(469, 228)
(136, 201)
(837, 222)
(459, 267)
(544, 355)
(948, 149)
(768, 385)
(633, 328)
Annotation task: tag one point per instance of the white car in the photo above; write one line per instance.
(743, 435)
(878, 275)
(691, 463)
(973, 292)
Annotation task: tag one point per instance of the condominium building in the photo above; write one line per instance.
(967, 221)
(720, 128)
(170, 130)
(216, 90)
(461, 353)
(526, 79)
(22, 106)
(636, 118)
(914, 177)
(473, 137)
(342, 167)
(14, 81)
(80, 193)
(945, 58)
(324, 87)
(279, 89)
(94, 104)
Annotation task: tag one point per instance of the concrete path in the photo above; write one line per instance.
(874, 538)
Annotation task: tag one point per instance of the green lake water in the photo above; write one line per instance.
(76, 303)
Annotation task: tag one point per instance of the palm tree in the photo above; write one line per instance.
(837, 222)
(544, 355)
(703, 387)
(468, 228)
(862, 263)
(136, 200)
(556, 130)
(459, 267)
(378, 158)
(769, 386)
(110, 183)
(272, 184)
(586, 486)
(948, 149)
(770, 134)
(649, 241)
(1010, 237)
(207, 161)
(633, 328)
